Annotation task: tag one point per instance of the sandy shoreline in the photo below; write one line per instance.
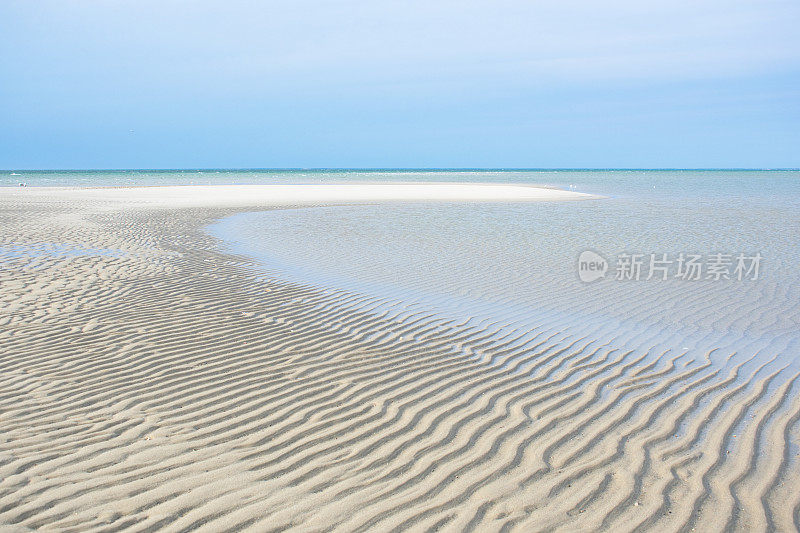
(185, 196)
(170, 385)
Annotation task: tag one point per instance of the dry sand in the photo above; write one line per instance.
(148, 380)
(183, 196)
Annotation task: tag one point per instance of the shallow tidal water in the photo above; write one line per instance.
(517, 264)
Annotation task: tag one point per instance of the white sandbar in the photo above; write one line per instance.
(185, 196)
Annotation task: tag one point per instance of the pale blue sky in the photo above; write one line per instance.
(323, 83)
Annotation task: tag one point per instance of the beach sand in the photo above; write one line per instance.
(150, 380)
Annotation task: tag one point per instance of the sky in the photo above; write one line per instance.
(413, 83)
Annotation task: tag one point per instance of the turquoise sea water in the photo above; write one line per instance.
(690, 182)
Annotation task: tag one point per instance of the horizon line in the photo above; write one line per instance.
(401, 169)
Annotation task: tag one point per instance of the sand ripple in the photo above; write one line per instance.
(169, 385)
